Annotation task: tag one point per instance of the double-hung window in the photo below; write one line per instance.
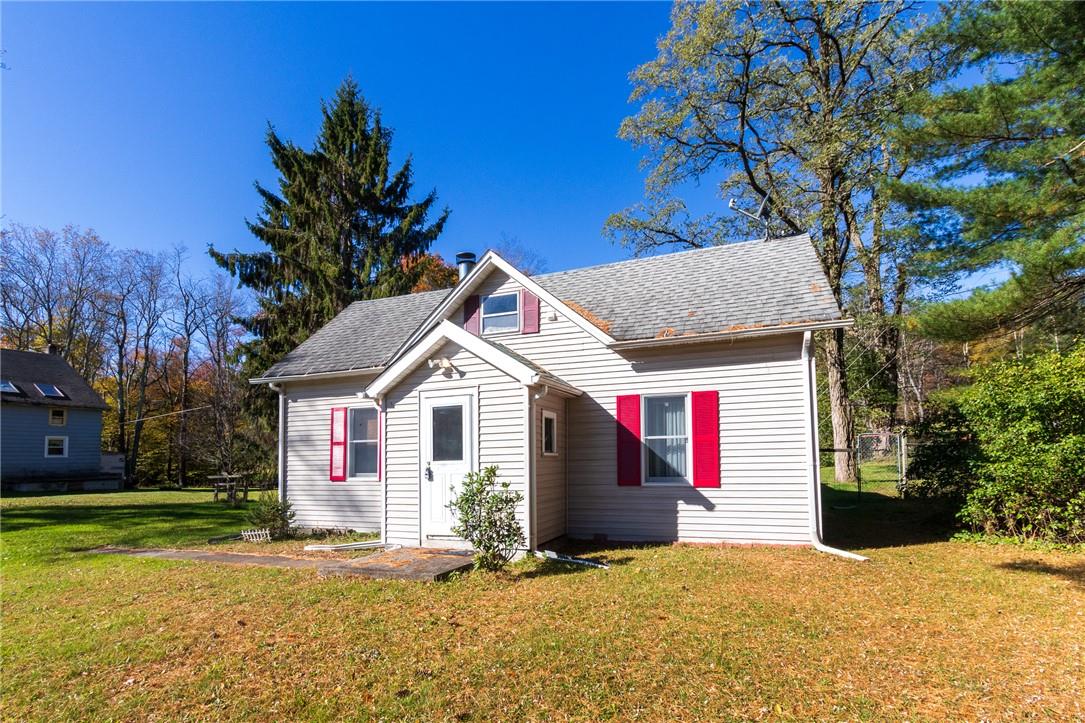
(501, 312)
(666, 439)
(58, 417)
(363, 441)
(56, 446)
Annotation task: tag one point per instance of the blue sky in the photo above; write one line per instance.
(146, 122)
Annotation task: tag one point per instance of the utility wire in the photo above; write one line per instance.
(169, 414)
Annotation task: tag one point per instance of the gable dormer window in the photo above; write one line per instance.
(500, 313)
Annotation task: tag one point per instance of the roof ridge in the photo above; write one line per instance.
(672, 254)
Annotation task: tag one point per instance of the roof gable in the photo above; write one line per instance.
(516, 366)
(26, 369)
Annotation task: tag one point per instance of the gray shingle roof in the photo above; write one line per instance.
(25, 368)
(727, 288)
(723, 288)
(363, 335)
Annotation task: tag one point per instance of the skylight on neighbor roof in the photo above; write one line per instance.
(50, 390)
(8, 387)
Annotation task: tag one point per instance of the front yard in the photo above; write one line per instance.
(928, 629)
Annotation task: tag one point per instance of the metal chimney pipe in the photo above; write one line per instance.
(465, 261)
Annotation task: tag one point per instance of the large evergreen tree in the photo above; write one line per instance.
(1008, 159)
(338, 230)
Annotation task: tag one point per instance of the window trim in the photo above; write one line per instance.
(51, 437)
(482, 315)
(63, 417)
(549, 415)
(368, 476)
(60, 392)
(685, 481)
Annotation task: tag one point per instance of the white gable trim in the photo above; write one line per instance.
(490, 261)
(444, 332)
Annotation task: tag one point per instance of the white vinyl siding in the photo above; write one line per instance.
(499, 434)
(318, 502)
(550, 473)
(763, 497)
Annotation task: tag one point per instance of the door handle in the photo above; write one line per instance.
(429, 472)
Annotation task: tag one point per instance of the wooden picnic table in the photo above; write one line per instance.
(228, 485)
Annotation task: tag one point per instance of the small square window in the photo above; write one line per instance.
(549, 433)
(8, 387)
(501, 312)
(56, 446)
(50, 390)
(58, 417)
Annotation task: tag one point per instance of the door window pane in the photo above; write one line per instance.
(448, 433)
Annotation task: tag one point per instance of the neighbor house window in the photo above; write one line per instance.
(56, 446)
(363, 441)
(49, 390)
(666, 439)
(8, 387)
(58, 417)
(549, 433)
(501, 312)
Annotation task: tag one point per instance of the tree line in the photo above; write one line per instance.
(157, 343)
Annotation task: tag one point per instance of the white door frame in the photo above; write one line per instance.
(468, 397)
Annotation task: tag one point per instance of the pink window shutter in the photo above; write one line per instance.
(705, 415)
(529, 312)
(471, 315)
(629, 443)
(337, 471)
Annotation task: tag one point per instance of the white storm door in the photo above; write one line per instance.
(447, 444)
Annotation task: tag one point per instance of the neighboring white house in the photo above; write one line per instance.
(662, 398)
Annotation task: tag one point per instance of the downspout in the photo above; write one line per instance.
(810, 398)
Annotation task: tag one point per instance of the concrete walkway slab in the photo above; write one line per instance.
(407, 563)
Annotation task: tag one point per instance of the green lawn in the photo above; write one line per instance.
(929, 629)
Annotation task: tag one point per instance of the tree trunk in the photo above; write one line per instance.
(844, 461)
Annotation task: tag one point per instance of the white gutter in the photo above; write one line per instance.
(316, 375)
(737, 334)
(809, 391)
(281, 469)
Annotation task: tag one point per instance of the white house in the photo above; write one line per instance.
(662, 398)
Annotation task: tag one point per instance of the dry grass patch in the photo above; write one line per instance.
(927, 631)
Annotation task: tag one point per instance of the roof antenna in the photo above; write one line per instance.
(761, 217)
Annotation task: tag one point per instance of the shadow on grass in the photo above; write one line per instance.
(879, 520)
(609, 553)
(1075, 573)
(134, 525)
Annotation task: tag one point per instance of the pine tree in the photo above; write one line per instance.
(337, 231)
(1008, 159)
